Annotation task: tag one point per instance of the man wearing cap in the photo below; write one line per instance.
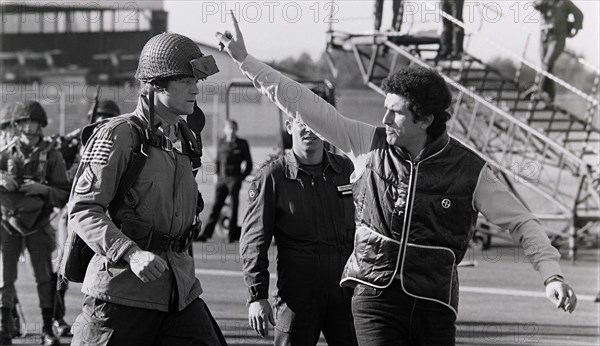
(33, 181)
(417, 194)
(140, 287)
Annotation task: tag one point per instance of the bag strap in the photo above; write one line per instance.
(136, 164)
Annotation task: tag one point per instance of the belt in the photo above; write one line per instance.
(177, 243)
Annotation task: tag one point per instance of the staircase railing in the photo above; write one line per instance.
(532, 160)
(516, 58)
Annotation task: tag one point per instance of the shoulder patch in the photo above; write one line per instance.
(98, 153)
(85, 181)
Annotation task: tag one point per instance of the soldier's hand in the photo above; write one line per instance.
(8, 182)
(146, 265)
(233, 43)
(259, 314)
(561, 295)
(32, 188)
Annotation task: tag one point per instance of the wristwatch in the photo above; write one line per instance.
(555, 277)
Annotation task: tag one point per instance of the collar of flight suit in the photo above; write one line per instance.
(292, 165)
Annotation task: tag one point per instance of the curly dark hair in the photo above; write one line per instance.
(427, 94)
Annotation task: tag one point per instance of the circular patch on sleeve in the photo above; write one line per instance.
(252, 192)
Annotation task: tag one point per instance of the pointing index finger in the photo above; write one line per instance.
(236, 27)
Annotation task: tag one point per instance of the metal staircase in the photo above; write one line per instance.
(547, 155)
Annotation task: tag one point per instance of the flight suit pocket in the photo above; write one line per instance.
(284, 316)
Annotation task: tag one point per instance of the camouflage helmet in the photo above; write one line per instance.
(108, 109)
(6, 115)
(28, 110)
(167, 55)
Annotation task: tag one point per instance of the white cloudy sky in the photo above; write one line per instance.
(278, 29)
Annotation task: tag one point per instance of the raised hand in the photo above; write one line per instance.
(233, 44)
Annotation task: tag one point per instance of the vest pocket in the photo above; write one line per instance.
(427, 272)
(374, 258)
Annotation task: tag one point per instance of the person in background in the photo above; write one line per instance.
(418, 193)
(451, 41)
(233, 165)
(561, 20)
(304, 200)
(33, 181)
(7, 135)
(398, 12)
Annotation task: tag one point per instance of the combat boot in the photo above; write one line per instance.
(6, 325)
(48, 337)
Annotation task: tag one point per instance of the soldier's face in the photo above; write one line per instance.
(180, 95)
(28, 127)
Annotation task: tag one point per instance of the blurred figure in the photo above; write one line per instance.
(562, 19)
(71, 151)
(33, 181)
(398, 11)
(451, 42)
(70, 144)
(232, 153)
(7, 135)
(7, 131)
(304, 200)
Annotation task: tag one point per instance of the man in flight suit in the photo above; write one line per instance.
(33, 181)
(140, 287)
(304, 200)
(232, 153)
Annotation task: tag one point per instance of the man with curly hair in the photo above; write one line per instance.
(417, 193)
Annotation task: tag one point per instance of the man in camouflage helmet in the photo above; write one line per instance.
(140, 288)
(32, 181)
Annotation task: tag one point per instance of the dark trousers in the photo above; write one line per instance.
(552, 46)
(309, 301)
(452, 35)
(384, 317)
(397, 18)
(103, 323)
(229, 186)
(40, 246)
